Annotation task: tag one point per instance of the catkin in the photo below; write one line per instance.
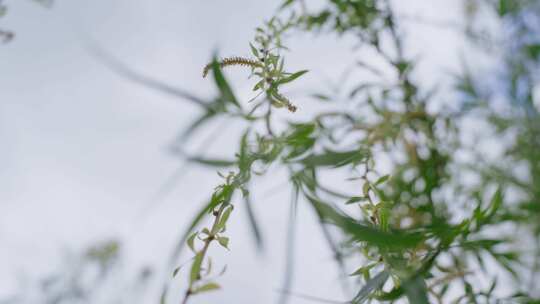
(233, 61)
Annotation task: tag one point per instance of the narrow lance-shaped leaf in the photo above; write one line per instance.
(363, 233)
(220, 163)
(206, 287)
(195, 268)
(334, 159)
(223, 219)
(416, 290)
(253, 223)
(223, 86)
(291, 77)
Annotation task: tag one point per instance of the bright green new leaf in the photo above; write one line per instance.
(223, 241)
(224, 218)
(195, 268)
(291, 77)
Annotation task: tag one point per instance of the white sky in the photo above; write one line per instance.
(84, 151)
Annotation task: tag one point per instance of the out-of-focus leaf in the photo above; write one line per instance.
(125, 70)
(494, 206)
(163, 295)
(533, 51)
(196, 124)
(505, 7)
(355, 199)
(286, 3)
(382, 179)
(416, 290)
(363, 269)
(290, 248)
(375, 283)
(333, 159)
(253, 224)
(223, 85)
(220, 163)
(254, 50)
(363, 233)
(175, 272)
(384, 215)
(321, 97)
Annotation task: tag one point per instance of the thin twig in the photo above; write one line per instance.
(204, 250)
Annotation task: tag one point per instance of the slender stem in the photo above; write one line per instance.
(206, 245)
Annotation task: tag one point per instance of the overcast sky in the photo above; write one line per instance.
(85, 151)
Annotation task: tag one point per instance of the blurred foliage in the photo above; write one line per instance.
(94, 275)
(419, 230)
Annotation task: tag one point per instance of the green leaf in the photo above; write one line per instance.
(291, 77)
(355, 199)
(224, 218)
(206, 287)
(333, 159)
(365, 188)
(254, 50)
(224, 88)
(382, 179)
(363, 269)
(384, 215)
(191, 241)
(286, 3)
(505, 7)
(220, 163)
(222, 195)
(393, 240)
(375, 283)
(321, 97)
(223, 241)
(494, 206)
(195, 268)
(253, 224)
(258, 85)
(416, 290)
(533, 51)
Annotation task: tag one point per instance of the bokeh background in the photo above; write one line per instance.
(89, 155)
